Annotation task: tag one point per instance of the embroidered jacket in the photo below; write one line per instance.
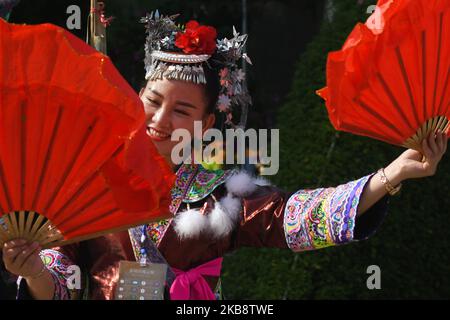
(216, 212)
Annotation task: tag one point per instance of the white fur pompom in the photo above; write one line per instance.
(260, 181)
(190, 223)
(233, 207)
(221, 223)
(225, 215)
(241, 184)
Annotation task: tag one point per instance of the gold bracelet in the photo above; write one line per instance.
(387, 184)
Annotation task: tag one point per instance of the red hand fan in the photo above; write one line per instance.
(75, 161)
(390, 81)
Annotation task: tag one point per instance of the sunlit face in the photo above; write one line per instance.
(171, 105)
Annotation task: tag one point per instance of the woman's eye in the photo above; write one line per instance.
(182, 112)
(153, 102)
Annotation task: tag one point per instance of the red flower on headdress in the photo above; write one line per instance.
(197, 39)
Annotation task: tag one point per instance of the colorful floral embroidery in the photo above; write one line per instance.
(156, 230)
(204, 183)
(61, 291)
(322, 217)
(57, 264)
(185, 174)
(193, 184)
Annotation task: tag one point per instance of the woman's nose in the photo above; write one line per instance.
(162, 117)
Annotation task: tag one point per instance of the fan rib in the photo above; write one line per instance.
(9, 227)
(42, 231)
(71, 164)
(364, 132)
(6, 190)
(3, 233)
(52, 238)
(29, 221)
(30, 218)
(47, 156)
(378, 116)
(75, 195)
(438, 62)
(444, 91)
(15, 225)
(36, 225)
(424, 73)
(4, 236)
(401, 63)
(118, 151)
(82, 187)
(393, 100)
(21, 223)
(83, 207)
(23, 147)
(92, 220)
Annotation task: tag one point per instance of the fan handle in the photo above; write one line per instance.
(28, 225)
(441, 123)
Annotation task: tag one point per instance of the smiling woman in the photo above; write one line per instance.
(215, 212)
(175, 104)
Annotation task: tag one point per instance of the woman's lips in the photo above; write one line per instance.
(157, 135)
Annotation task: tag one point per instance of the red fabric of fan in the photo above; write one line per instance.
(75, 161)
(390, 81)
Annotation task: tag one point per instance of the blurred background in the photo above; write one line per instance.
(288, 42)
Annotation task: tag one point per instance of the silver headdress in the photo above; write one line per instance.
(174, 52)
(163, 59)
(177, 67)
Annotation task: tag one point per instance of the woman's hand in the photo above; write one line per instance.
(410, 164)
(413, 164)
(22, 258)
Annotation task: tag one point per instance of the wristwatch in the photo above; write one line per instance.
(387, 184)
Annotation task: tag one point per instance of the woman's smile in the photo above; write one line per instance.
(157, 134)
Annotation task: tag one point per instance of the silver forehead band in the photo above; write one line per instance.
(174, 66)
(180, 58)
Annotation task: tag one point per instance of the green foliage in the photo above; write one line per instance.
(411, 247)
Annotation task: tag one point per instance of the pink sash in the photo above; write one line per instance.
(190, 285)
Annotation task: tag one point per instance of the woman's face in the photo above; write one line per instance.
(171, 105)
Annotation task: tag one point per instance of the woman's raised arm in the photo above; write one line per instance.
(410, 164)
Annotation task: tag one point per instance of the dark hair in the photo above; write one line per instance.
(212, 87)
